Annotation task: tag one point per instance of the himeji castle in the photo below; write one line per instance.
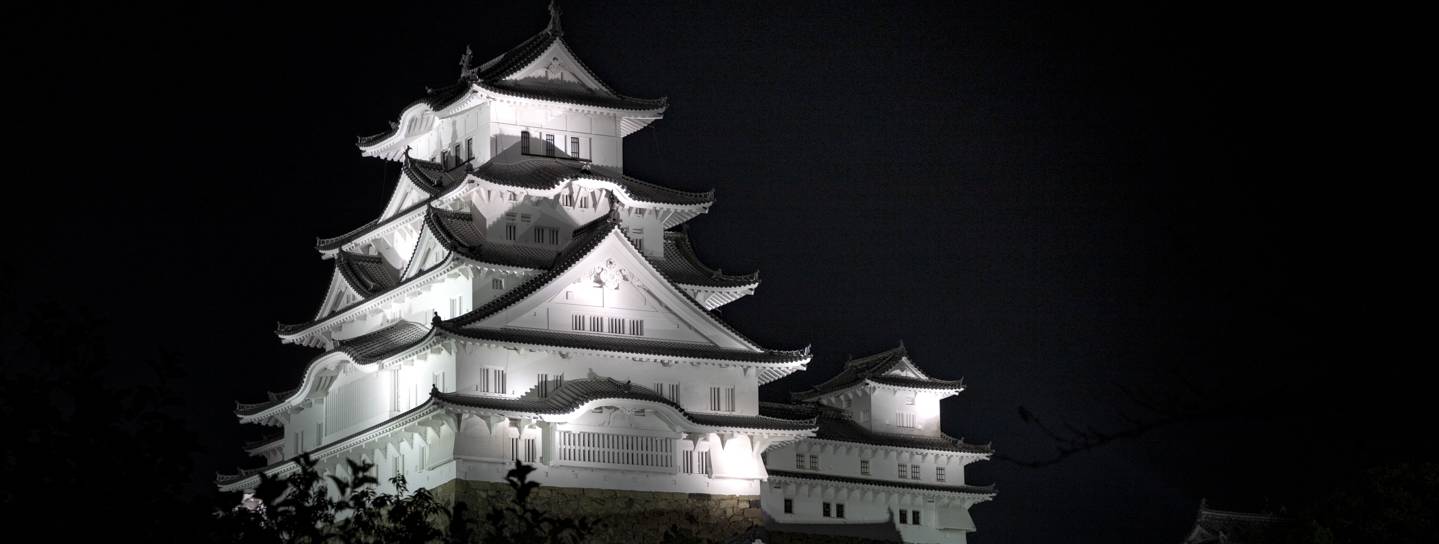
(521, 298)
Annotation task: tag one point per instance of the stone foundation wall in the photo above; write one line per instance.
(635, 517)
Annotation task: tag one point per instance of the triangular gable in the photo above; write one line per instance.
(407, 194)
(558, 67)
(339, 295)
(905, 368)
(428, 253)
(612, 291)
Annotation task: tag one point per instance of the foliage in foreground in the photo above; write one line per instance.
(301, 509)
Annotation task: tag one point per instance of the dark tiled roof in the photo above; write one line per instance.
(681, 265)
(1219, 526)
(368, 274)
(585, 239)
(900, 381)
(619, 344)
(335, 242)
(575, 393)
(457, 231)
(433, 177)
(519, 56)
(383, 342)
(617, 102)
(872, 368)
(982, 490)
(546, 174)
(366, 141)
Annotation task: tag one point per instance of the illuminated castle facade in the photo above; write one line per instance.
(521, 298)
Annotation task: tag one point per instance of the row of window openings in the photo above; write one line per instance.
(538, 235)
(613, 325)
(492, 380)
(398, 464)
(906, 472)
(550, 147)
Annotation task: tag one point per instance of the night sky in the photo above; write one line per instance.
(1058, 204)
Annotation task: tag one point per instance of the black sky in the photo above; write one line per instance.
(1052, 202)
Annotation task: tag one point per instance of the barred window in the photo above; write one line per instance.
(904, 517)
(914, 472)
(511, 231)
(637, 327)
(939, 474)
(597, 324)
(492, 380)
(575, 146)
(497, 283)
(825, 510)
(525, 141)
(839, 510)
(618, 449)
(905, 420)
(864, 467)
(688, 457)
(789, 506)
(705, 466)
(550, 144)
(469, 148)
(579, 322)
(813, 462)
(617, 325)
(799, 461)
(531, 450)
(903, 471)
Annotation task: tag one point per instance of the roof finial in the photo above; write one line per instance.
(468, 72)
(555, 19)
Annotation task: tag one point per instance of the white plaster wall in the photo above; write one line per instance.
(523, 368)
(598, 133)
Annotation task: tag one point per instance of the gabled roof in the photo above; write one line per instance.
(681, 265)
(835, 425)
(495, 76)
(457, 232)
(367, 348)
(547, 174)
(366, 274)
(872, 368)
(433, 177)
(575, 393)
(585, 240)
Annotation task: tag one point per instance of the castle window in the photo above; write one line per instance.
(705, 465)
(585, 201)
(939, 474)
(903, 471)
(547, 235)
(511, 231)
(914, 517)
(567, 200)
(904, 517)
(688, 457)
(574, 146)
(492, 380)
(497, 283)
(445, 158)
(531, 450)
(825, 510)
(914, 472)
(457, 154)
(839, 510)
(789, 506)
(904, 420)
(525, 142)
(813, 462)
(597, 324)
(515, 449)
(578, 322)
(550, 144)
(864, 467)
(617, 325)
(637, 327)
(722, 402)
(799, 461)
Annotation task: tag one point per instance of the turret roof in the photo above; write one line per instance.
(872, 368)
(681, 265)
(835, 425)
